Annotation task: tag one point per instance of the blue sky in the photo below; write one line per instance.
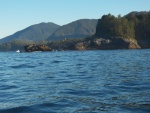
(16, 15)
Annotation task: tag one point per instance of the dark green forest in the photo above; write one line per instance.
(134, 25)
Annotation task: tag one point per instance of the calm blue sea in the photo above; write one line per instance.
(116, 81)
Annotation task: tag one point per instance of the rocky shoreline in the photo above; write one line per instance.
(34, 47)
(91, 44)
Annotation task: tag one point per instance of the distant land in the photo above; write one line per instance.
(36, 32)
(131, 31)
(77, 29)
(50, 31)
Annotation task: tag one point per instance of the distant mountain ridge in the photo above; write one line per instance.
(77, 29)
(37, 32)
(50, 31)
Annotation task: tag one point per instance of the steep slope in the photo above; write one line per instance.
(36, 32)
(77, 29)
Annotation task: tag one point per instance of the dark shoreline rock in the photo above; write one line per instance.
(34, 47)
(105, 44)
(94, 43)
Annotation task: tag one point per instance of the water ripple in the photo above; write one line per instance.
(75, 81)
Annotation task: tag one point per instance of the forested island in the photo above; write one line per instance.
(131, 31)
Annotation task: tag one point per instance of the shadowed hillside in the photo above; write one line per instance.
(77, 29)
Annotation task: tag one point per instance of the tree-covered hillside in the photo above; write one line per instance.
(132, 26)
(36, 32)
(14, 45)
(77, 29)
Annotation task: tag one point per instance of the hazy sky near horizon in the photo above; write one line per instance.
(16, 15)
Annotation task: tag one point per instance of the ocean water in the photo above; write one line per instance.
(116, 81)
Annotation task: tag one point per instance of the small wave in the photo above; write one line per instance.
(56, 61)
(7, 87)
(17, 110)
(22, 66)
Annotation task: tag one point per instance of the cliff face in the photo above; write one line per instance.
(107, 44)
(133, 44)
(95, 43)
